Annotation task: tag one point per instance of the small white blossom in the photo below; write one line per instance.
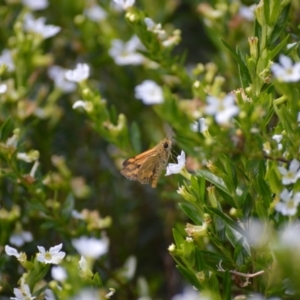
(23, 293)
(286, 71)
(126, 53)
(38, 26)
(83, 265)
(87, 294)
(155, 28)
(95, 13)
(199, 126)
(6, 59)
(19, 238)
(124, 3)
(91, 247)
(291, 175)
(298, 117)
(278, 139)
(80, 103)
(291, 45)
(149, 92)
(75, 214)
(59, 273)
(49, 295)
(172, 248)
(176, 168)
(129, 267)
(189, 294)
(223, 109)
(289, 237)
(53, 256)
(288, 207)
(29, 157)
(110, 293)
(12, 251)
(57, 74)
(80, 73)
(247, 12)
(36, 4)
(3, 88)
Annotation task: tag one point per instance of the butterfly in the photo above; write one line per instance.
(147, 166)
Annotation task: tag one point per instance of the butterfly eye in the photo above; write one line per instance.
(166, 145)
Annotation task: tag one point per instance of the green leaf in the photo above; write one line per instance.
(190, 277)
(227, 198)
(247, 203)
(188, 253)
(178, 238)
(192, 213)
(226, 219)
(6, 129)
(135, 137)
(199, 261)
(97, 282)
(263, 190)
(266, 5)
(236, 238)
(244, 73)
(280, 24)
(217, 181)
(227, 286)
(278, 48)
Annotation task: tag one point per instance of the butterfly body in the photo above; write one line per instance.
(147, 166)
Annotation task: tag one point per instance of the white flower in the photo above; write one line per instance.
(53, 256)
(95, 13)
(125, 53)
(59, 273)
(36, 4)
(80, 73)
(222, 109)
(155, 28)
(19, 238)
(23, 293)
(38, 26)
(124, 3)
(189, 294)
(278, 138)
(3, 88)
(87, 294)
(291, 175)
(291, 45)
(29, 157)
(75, 214)
(288, 207)
(289, 237)
(57, 74)
(49, 295)
(12, 251)
(149, 92)
(199, 126)
(176, 168)
(83, 265)
(91, 247)
(110, 293)
(286, 71)
(247, 12)
(6, 59)
(129, 267)
(80, 103)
